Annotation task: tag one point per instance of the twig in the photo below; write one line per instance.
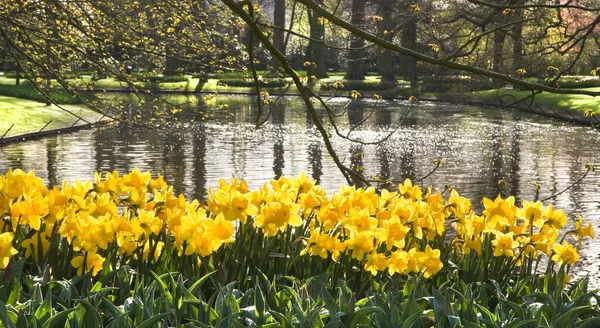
(5, 133)
(43, 128)
(590, 168)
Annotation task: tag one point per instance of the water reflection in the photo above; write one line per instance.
(479, 147)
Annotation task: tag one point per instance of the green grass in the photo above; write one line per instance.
(569, 101)
(573, 102)
(30, 116)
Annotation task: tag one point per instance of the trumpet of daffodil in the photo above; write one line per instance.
(364, 198)
(146, 224)
(360, 220)
(127, 242)
(165, 198)
(6, 249)
(408, 191)
(109, 184)
(276, 216)
(472, 243)
(458, 205)
(311, 200)
(158, 247)
(102, 205)
(190, 234)
(29, 211)
(321, 244)
(392, 233)
(500, 212)
(137, 198)
(17, 183)
(376, 262)
(429, 261)
(531, 213)
(555, 219)
(232, 204)
(302, 183)
(220, 231)
(136, 180)
(399, 262)
(542, 242)
(33, 243)
(504, 244)
(329, 216)
(564, 253)
(57, 203)
(93, 262)
(360, 244)
(581, 231)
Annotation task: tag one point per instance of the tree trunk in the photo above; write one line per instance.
(356, 70)
(278, 36)
(385, 58)
(499, 37)
(517, 38)
(408, 65)
(315, 51)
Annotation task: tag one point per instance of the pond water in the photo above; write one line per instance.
(479, 147)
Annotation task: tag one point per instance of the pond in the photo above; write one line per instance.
(479, 147)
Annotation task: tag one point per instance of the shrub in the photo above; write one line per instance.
(355, 85)
(166, 79)
(27, 91)
(66, 76)
(453, 83)
(250, 82)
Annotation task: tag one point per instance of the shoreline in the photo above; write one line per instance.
(564, 114)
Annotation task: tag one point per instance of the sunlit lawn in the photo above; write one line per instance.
(29, 116)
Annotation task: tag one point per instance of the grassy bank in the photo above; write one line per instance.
(573, 102)
(30, 116)
(240, 83)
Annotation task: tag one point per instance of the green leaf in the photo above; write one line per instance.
(330, 303)
(91, 316)
(589, 323)
(58, 318)
(516, 309)
(441, 308)
(22, 322)
(151, 321)
(4, 316)
(410, 321)
(410, 308)
(565, 319)
(259, 301)
(45, 310)
(201, 281)
(283, 321)
(527, 323)
(358, 315)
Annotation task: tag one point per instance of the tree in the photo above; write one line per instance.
(355, 69)
(49, 39)
(385, 58)
(315, 50)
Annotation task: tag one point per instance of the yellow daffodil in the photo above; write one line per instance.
(376, 262)
(564, 253)
(429, 261)
(276, 216)
(360, 244)
(6, 249)
(504, 244)
(93, 262)
(582, 231)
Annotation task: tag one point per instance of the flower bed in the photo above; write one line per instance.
(134, 230)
